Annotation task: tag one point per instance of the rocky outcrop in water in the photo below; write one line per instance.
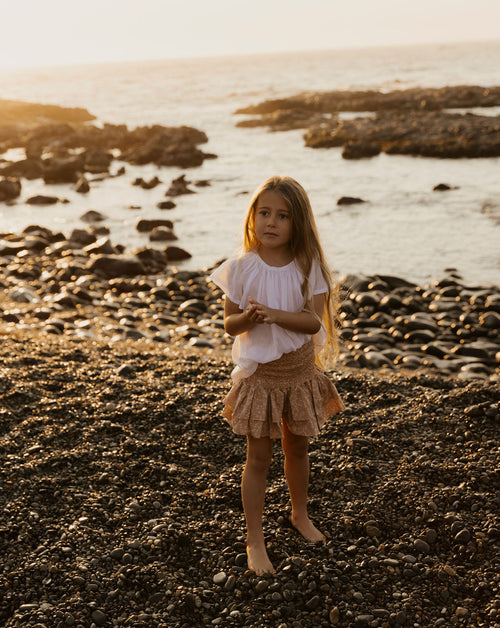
(409, 122)
(62, 151)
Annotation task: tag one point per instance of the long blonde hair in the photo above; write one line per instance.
(305, 247)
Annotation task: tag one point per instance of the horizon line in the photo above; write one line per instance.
(240, 55)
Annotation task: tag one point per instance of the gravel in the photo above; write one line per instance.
(120, 501)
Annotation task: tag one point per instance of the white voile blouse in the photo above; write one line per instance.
(278, 287)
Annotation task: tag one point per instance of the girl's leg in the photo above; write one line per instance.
(297, 477)
(253, 489)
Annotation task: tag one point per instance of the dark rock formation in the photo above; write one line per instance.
(59, 132)
(428, 134)
(408, 122)
(451, 97)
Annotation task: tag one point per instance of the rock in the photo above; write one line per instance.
(82, 186)
(153, 260)
(372, 530)
(361, 150)
(490, 320)
(97, 161)
(421, 546)
(160, 234)
(27, 168)
(144, 225)
(147, 185)
(63, 170)
(82, 237)
(102, 246)
(177, 254)
(166, 205)
(349, 200)
(99, 618)
(92, 216)
(126, 370)
(10, 188)
(220, 578)
(179, 186)
(115, 266)
(40, 199)
(261, 586)
(463, 537)
(334, 615)
(413, 121)
(441, 187)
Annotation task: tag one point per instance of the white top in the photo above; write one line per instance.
(278, 287)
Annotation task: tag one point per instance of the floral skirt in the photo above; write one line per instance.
(291, 388)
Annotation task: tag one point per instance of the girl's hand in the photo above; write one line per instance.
(262, 313)
(251, 312)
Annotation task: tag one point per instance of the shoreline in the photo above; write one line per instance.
(82, 285)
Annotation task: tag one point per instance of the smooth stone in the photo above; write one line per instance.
(99, 617)
(220, 578)
(261, 586)
(421, 546)
(463, 537)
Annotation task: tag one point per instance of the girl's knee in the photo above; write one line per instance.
(295, 446)
(259, 454)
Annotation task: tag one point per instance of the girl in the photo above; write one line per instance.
(277, 293)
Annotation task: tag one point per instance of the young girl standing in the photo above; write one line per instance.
(280, 304)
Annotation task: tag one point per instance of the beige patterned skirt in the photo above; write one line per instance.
(291, 388)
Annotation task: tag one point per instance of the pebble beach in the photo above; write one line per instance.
(121, 504)
(120, 501)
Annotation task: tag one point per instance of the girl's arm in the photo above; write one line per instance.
(304, 322)
(237, 321)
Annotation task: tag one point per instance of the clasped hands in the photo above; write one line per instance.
(259, 313)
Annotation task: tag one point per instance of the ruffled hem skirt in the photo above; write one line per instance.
(291, 388)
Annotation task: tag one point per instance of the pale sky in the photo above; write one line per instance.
(55, 32)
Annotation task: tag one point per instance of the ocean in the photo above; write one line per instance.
(405, 228)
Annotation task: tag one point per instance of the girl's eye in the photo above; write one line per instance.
(283, 216)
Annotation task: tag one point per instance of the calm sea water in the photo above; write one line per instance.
(405, 228)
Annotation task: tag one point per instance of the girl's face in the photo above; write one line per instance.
(273, 221)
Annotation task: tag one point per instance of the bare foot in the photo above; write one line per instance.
(308, 530)
(258, 560)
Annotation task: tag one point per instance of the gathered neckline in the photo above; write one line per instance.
(273, 267)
